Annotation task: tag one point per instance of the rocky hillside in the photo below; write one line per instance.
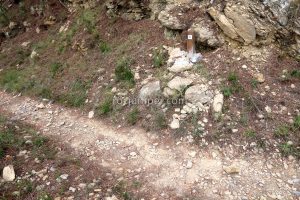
(126, 63)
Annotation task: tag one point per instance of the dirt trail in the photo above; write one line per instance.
(174, 169)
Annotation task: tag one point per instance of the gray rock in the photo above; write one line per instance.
(198, 94)
(170, 20)
(9, 173)
(218, 105)
(150, 90)
(178, 83)
(224, 23)
(234, 24)
(244, 27)
(280, 9)
(205, 33)
(181, 64)
(168, 92)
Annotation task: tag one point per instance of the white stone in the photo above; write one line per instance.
(268, 109)
(175, 124)
(9, 173)
(198, 94)
(189, 164)
(179, 83)
(64, 176)
(150, 90)
(218, 104)
(193, 154)
(91, 114)
(181, 64)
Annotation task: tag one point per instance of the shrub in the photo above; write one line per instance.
(250, 133)
(123, 71)
(282, 131)
(55, 68)
(133, 116)
(4, 21)
(76, 96)
(106, 105)
(297, 122)
(160, 121)
(159, 58)
(104, 47)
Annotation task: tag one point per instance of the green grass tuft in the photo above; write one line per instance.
(133, 116)
(159, 58)
(123, 71)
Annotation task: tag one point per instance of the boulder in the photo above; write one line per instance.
(170, 19)
(224, 23)
(175, 53)
(150, 90)
(205, 33)
(244, 27)
(178, 83)
(198, 94)
(280, 9)
(181, 64)
(234, 24)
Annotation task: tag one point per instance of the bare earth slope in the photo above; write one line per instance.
(167, 170)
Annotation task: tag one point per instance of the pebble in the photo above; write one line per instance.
(189, 164)
(64, 176)
(91, 114)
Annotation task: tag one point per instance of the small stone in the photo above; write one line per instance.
(268, 109)
(244, 67)
(64, 176)
(72, 189)
(193, 154)
(91, 114)
(232, 169)
(9, 173)
(175, 124)
(189, 164)
(235, 130)
(218, 105)
(259, 77)
(293, 86)
(40, 106)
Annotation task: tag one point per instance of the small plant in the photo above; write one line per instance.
(123, 72)
(39, 141)
(76, 95)
(288, 149)
(133, 116)
(227, 91)
(296, 124)
(4, 21)
(106, 105)
(159, 58)
(44, 196)
(254, 83)
(104, 47)
(160, 121)
(11, 80)
(26, 186)
(232, 77)
(295, 73)
(282, 131)
(88, 19)
(55, 68)
(250, 133)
